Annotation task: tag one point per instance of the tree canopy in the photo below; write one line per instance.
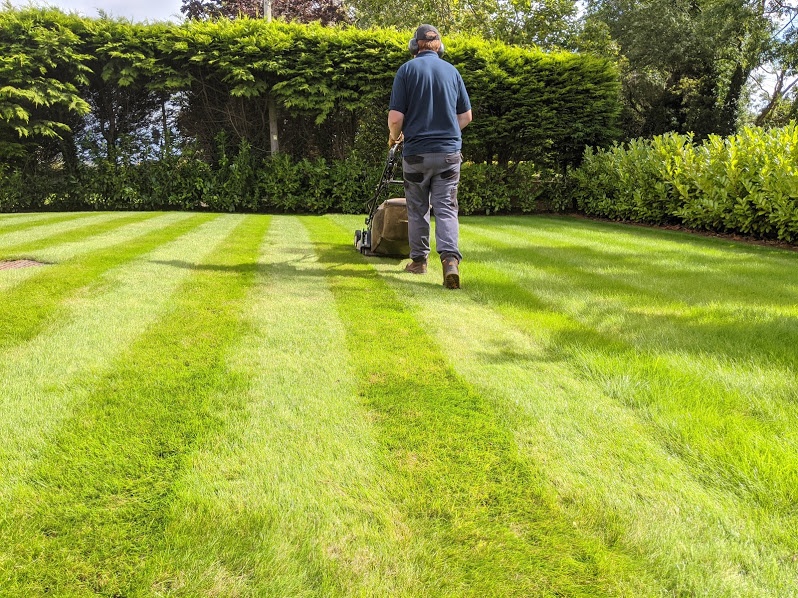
(687, 65)
(303, 11)
(686, 62)
(543, 23)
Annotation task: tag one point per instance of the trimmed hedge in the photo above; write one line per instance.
(245, 183)
(105, 104)
(746, 183)
(528, 104)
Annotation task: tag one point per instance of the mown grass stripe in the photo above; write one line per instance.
(665, 266)
(105, 238)
(95, 506)
(23, 221)
(622, 238)
(85, 242)
(620, 476)
(33, 249)
(9, 240)
(14, 276)
(31, 305)
(44, 378)
(289, 500)
(727, 441)
(483, 520)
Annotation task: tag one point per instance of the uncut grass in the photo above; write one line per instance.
(701, 284)
(290, 501)
(33, 304)
(94, 507)
(483, 519)
(734, 321)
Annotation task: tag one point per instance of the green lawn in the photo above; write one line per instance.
(229, 405)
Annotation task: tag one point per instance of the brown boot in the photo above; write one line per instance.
(451, 273)
(416, 267)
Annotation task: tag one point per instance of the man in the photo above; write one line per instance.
(430, 107)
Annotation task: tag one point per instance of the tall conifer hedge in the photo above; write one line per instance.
(83, 96)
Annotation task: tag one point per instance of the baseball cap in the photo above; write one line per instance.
(427, 33)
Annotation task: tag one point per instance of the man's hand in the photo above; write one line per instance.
(393, 141)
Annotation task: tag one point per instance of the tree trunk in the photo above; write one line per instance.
(273, 128)
(778, 95)
(731, 105)
(774, 100)
(165, 123)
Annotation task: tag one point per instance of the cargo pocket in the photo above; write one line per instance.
(454, 158)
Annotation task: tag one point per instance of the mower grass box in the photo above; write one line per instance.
(386, 232)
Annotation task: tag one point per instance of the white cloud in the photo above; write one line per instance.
(135, 10)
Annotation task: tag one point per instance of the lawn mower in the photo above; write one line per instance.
(385, 234)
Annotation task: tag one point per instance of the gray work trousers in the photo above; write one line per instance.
(431, 180)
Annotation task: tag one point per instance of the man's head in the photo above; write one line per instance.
(426, 38)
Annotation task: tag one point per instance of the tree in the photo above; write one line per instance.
(685, 63)
(41, 71)
(544, 23)
(780, 100)
(303, 11)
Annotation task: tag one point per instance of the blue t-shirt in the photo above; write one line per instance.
(430, 93)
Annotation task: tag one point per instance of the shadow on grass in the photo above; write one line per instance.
(664, 273)
(333, 257)
(247, 268)
(705, 305)
(648, 320)
(709, 323)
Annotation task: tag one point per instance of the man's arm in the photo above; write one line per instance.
(463, 119)
(395, 121)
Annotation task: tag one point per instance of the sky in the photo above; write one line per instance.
(135, 10)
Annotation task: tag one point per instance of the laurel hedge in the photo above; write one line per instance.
(746, 183)
(245, 183)
(91, 109)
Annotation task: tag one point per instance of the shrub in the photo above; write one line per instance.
(483, 189)
(746, 183)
